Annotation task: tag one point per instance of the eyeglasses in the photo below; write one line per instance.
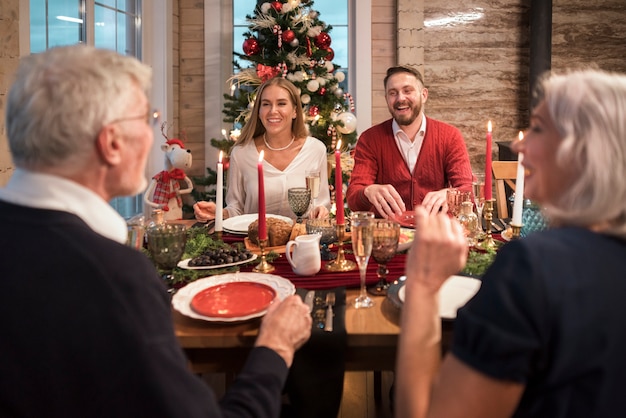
(152, 118)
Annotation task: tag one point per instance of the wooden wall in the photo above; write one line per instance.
(9, 58)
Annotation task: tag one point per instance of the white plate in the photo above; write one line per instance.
(406, 238)
(181, 301)
(184, 264)
(239, 224)
(454, 293)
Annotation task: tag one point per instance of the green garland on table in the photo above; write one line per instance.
(478, 261)
(198, 241)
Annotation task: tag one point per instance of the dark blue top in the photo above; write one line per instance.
(551, 314)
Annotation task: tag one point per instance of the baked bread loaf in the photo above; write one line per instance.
(278, 232)
(297, 230)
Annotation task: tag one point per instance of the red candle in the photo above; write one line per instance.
(262, 225)
(488, 195)
(339, 185)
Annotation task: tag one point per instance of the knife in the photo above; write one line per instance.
(309, 299)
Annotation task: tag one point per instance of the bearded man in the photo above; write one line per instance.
(410, 159)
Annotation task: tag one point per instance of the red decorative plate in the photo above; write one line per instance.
(236, 299)
(406, 219)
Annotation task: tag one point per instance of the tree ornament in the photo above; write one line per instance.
(322, 91)
(289, 36)
(305, 99)
(309, 52)
(312, 86)
(339, 92)
(322, 41)
(331, 54)
(251, 46)
(349, 123)
(314, 111)
(295, 43)
(277, 5)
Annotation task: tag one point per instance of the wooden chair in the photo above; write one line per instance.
(504, 174)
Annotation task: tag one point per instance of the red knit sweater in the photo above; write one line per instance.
(443, 162)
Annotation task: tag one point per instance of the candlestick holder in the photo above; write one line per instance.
(340, 263)
(515, 231)
(218, 235)
(488, 243)
(263, 266)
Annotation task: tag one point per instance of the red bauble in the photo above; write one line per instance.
(314, 111)
(322, 41)
(251, 46)
(322, 91)
(330, 55)
(277, 5)
(288, 36)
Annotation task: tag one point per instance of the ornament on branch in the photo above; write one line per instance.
(349, 123)
(348, 97)
(322, 41)
(309, 52)
(295, 43)
(277, 5)
(251, 46)
(288, 36)
(322, 91)
(278, 31)
(331, 54)
(314, 111)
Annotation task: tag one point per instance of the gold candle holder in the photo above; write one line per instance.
(488, 243)
(340, 263)
(515, 231)
(263, 266)
(218, 235)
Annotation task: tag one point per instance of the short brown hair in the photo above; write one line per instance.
(403, 69)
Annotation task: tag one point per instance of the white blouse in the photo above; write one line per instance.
(242, 196)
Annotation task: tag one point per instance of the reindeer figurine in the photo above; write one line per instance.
(164, 190)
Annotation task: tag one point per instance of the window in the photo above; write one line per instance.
(116, 25)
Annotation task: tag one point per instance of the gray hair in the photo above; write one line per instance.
(588, 108)
(62, 98)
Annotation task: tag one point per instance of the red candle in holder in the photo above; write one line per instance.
(488, 195)
(262, 224)
(339, 185)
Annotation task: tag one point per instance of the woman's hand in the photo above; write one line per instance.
(204, 211)
(319, 212)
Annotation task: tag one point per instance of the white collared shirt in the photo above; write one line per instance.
(45, 191)
(410, 149)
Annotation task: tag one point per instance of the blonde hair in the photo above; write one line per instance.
(254, 128)
(588, 107)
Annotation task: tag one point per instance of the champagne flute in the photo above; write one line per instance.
(313, 184)
(166, 243)
(362, 226)
(386, 235)
(478, 191)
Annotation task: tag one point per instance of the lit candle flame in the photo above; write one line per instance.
(221, 154)
(489, 126)
(520, 135)
(261, 156)
(338, 145)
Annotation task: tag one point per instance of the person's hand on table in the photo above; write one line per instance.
(439, 249)
(285, 327)
(385, 199)
(435, 202)
(205, 211)
(319, 212)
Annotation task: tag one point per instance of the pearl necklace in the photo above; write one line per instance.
(293, 138)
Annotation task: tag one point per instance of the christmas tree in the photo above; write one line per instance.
(287, 39)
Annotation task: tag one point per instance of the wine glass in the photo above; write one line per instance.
(362, 226)
(299, 199)
(166, 243)
(313, 184)
(386, 235)
(327, 228)
(478, 192)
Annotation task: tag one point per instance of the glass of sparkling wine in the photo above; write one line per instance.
(313, 184)
(478, 192)
(362, 229)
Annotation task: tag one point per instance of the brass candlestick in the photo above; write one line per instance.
(340, 263)
(515, 231)
(263, 266)
(218, 235)
(488, 243)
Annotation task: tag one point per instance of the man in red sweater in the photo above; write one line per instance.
(410, 159)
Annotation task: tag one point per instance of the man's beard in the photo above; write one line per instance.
(406, 120)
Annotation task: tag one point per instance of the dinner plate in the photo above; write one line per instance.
(234, 299)
(406, 238)
(181, 301)
(239, 224)
(184, 264)
(454, 293)
(406, 219)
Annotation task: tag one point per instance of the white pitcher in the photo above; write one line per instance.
(305, 260)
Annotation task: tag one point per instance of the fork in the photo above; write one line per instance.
(330, 301)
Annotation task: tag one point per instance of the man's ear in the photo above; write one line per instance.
(424, 94)
(109, 144)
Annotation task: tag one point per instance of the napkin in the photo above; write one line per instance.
(315, 382)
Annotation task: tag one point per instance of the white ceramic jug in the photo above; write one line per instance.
(305, 260)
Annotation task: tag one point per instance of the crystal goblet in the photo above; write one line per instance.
(299, 199)
(478, 192)
(327, 228)
(166, 243)
(386, 235)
